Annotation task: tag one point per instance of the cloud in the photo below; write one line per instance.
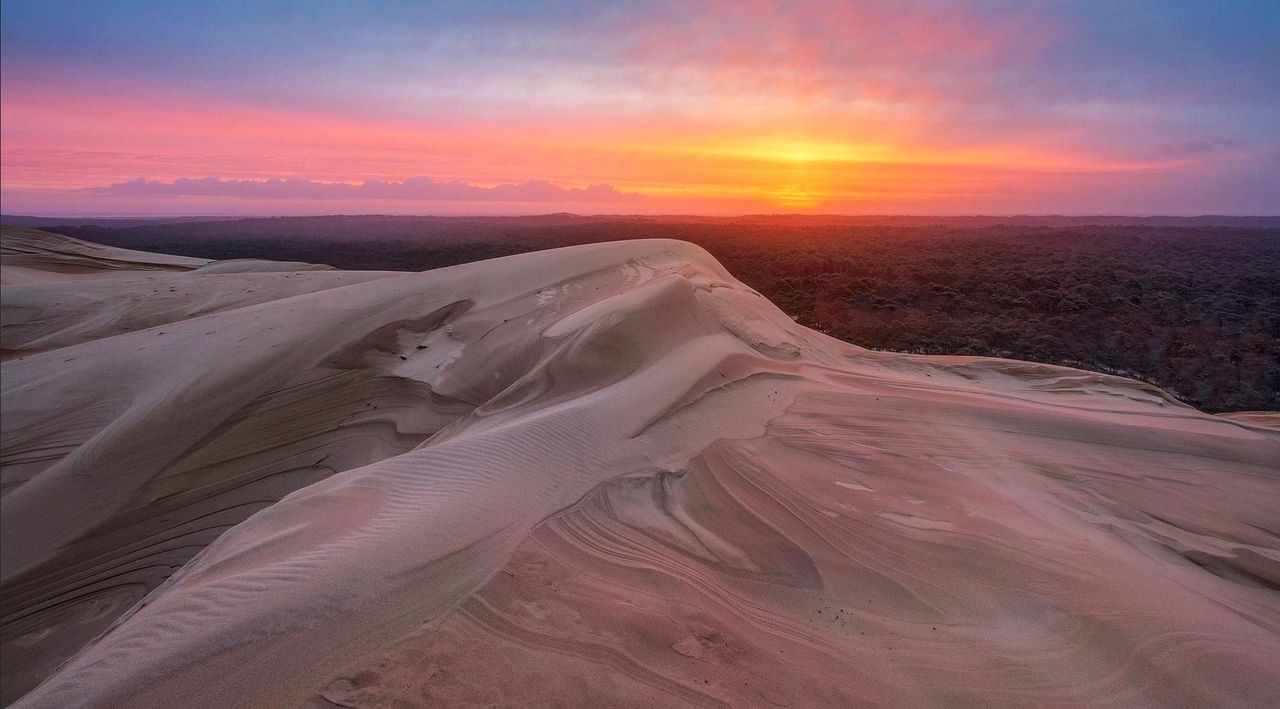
(1198, 147)
(413, 188)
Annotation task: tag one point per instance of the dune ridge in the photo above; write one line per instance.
(603, 475)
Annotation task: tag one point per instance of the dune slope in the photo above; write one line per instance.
(609, 475)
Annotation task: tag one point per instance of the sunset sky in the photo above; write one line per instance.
(908, 107)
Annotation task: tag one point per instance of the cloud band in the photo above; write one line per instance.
(413, 188)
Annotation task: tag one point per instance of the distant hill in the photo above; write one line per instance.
(970, 222)
(111, 222)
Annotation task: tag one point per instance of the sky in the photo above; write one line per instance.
(173, 107)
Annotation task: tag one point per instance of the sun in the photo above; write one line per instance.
(796, 197)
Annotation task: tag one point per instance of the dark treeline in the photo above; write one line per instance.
(1193, 309)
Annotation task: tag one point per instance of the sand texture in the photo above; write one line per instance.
(609, 476)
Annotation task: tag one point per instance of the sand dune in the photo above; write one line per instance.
(609, 475)
(1268, 419)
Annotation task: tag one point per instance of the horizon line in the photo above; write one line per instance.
(685, 215)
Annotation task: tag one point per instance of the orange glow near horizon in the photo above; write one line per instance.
(722, 170)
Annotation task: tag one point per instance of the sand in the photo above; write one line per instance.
(608, 475)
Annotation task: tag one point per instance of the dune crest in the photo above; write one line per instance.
(604, 475)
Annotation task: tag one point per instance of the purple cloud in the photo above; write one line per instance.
(1198, 147)
(413, 188)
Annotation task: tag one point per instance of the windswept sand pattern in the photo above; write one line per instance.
(609, 475)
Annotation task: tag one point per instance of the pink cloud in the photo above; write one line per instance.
(413, 188)
(835, 50)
